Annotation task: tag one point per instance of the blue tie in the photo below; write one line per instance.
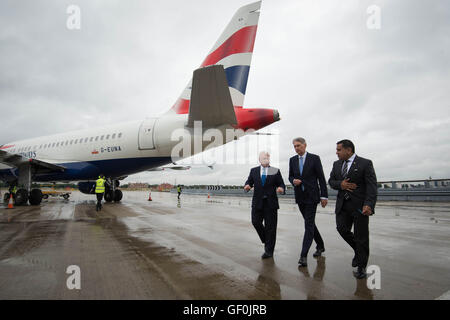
(263, 177)
(301, 171)
(301, 165)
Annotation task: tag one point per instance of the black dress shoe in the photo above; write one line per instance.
(354, 263)
(361, 273)
(318, 253)
(302, 262)
(266, 255)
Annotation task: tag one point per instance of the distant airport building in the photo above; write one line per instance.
(138, 185)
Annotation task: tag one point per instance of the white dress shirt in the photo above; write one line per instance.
(304, 158)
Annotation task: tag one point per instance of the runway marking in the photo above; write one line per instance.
(445, 296)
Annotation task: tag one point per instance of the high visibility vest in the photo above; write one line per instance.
(179, 189)
(100, 186)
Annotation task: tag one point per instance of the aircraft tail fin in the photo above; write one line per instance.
(233, 50)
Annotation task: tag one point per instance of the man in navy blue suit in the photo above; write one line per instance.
(306, 175)
(267, 181)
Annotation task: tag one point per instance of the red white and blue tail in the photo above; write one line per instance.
(233, 50)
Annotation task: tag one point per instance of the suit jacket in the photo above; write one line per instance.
(268, 191)
(312, 177)
(363, 175)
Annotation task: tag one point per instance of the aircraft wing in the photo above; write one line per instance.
(17, 160)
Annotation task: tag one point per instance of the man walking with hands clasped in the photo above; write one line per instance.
(310, 187)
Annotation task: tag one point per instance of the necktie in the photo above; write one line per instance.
(301, 171)
(344, 169)
(301, 165)
(263, 177)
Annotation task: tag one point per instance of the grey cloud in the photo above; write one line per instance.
(329, 76)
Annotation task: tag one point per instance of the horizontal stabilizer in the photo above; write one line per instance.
(210, 98)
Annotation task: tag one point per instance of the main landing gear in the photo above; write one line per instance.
(22, 196)
(112, 193)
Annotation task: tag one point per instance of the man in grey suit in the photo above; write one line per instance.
(310, 187)
(354, 177)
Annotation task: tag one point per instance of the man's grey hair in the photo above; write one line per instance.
(263, 153)
(299, 139)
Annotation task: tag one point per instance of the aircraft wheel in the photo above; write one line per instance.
(45, 196)
(21, 197)
(109, 196)
(66, 197)
(35, 197)
(118, 196)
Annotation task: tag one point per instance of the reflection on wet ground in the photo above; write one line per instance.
(206, 248)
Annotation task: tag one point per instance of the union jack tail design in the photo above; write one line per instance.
(233, 50)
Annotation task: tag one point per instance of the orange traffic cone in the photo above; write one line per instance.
(150, 196)
(11, 202)
(209, 195)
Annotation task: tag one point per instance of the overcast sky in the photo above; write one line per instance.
(315, 61)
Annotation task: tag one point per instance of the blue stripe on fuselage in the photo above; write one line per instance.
(91, 169)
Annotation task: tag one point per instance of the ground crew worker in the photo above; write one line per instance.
(100, 191)
(179, 191)
(13, 190)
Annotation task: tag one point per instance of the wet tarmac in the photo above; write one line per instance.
(200, 248)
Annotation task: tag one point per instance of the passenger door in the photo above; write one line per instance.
(146, 135)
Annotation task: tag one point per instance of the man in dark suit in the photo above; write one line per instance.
(267, 181)
(306, 175)
(354, 177)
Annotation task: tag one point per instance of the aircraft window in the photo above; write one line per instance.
(113, 136)
(40, 147)
(76, 141)
(86, 140)
(96, 138)
(120, 135)
(107, 137)
(57, 144)
(53, 145)
(90, 140)
(101, 138)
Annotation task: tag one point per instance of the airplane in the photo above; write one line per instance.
(214, 97)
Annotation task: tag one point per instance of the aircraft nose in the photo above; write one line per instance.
(276, 115)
